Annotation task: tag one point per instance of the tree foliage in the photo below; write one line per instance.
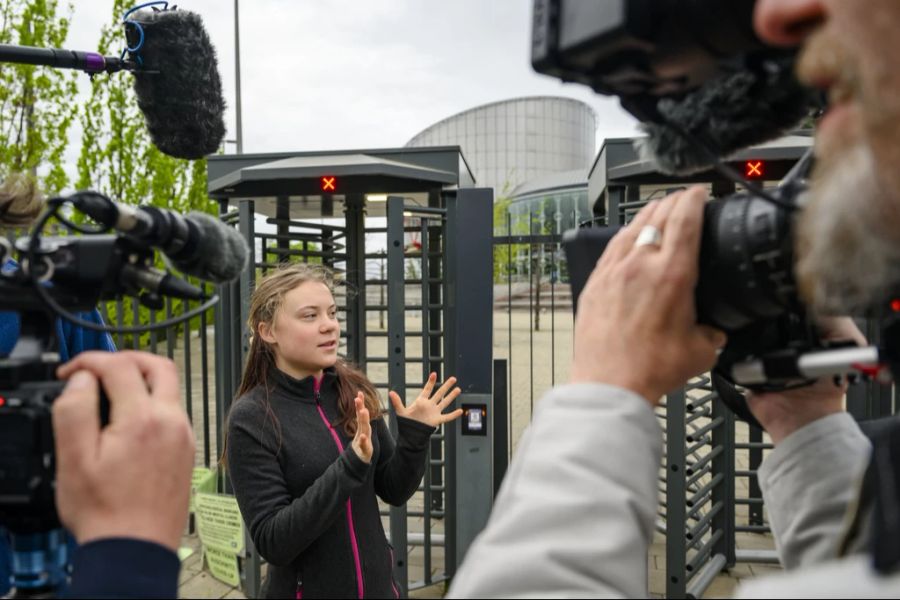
(37, 104)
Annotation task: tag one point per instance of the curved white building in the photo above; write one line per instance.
(514, 141)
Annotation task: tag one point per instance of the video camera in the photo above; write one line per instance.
(58, 277)
(703, 86)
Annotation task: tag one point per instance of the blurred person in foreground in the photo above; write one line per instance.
(576, 512)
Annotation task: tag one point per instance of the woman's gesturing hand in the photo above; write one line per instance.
(429, 409)
(362, 441)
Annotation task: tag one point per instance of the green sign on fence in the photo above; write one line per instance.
(203, 480)
(219, 522)
(223, 566)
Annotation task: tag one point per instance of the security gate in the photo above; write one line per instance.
(413, 289)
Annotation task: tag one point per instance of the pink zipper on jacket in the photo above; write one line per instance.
(355, 545)
(391, 575)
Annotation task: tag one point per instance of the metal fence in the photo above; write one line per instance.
(396, 299)
(188, 344)
(533, 321)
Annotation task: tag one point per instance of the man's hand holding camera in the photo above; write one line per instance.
(783, 413)
(132, 478)
(636, 321)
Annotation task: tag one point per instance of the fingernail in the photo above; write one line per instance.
(81, 380)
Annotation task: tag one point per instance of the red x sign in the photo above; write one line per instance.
(329, 184)
(753, 169)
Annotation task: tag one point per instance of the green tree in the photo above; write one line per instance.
(37, 104)
(118, 158)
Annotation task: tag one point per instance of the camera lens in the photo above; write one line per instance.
(746, 262)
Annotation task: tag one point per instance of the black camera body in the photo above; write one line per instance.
(641, 50)
(746, 262)
(27, 458)
(58, 278)
(76, 272)
(746, 284)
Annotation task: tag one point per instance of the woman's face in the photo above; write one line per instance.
(305, 332)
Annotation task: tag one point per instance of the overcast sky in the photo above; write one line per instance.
(333, 74)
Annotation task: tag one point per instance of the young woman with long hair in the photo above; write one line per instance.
(308, 451)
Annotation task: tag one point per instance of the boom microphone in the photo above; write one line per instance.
(197, 244)
(177, 81)
(177, 85)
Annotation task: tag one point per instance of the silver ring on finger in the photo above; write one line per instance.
(648, 236)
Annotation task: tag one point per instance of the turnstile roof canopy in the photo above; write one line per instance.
(311, 179)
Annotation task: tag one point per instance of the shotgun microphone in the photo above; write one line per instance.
(198, 244)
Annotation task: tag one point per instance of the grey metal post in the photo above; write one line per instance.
(220, 333)
(283, 228)
(239, 134)
(246, 216)
(396, 346)
(724, 494)
(755, 460)
(615, 195)
(235, 355)
(451, 430)
(469, 325)
(501, 421)
(435, 342)
(426, 370)
(676, 546)
(223, 325)
(632, 196)
(858, 395)
(354, 217)
(204, 383)
(881, 397)
(248, 279)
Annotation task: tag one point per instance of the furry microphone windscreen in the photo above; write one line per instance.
(221, 253)
(729, 113)
(178, 87)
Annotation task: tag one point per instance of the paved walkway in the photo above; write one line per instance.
(196, 582)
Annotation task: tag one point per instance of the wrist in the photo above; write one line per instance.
(647, 391)
(361, 455)
(782, 428)
(146, 530)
